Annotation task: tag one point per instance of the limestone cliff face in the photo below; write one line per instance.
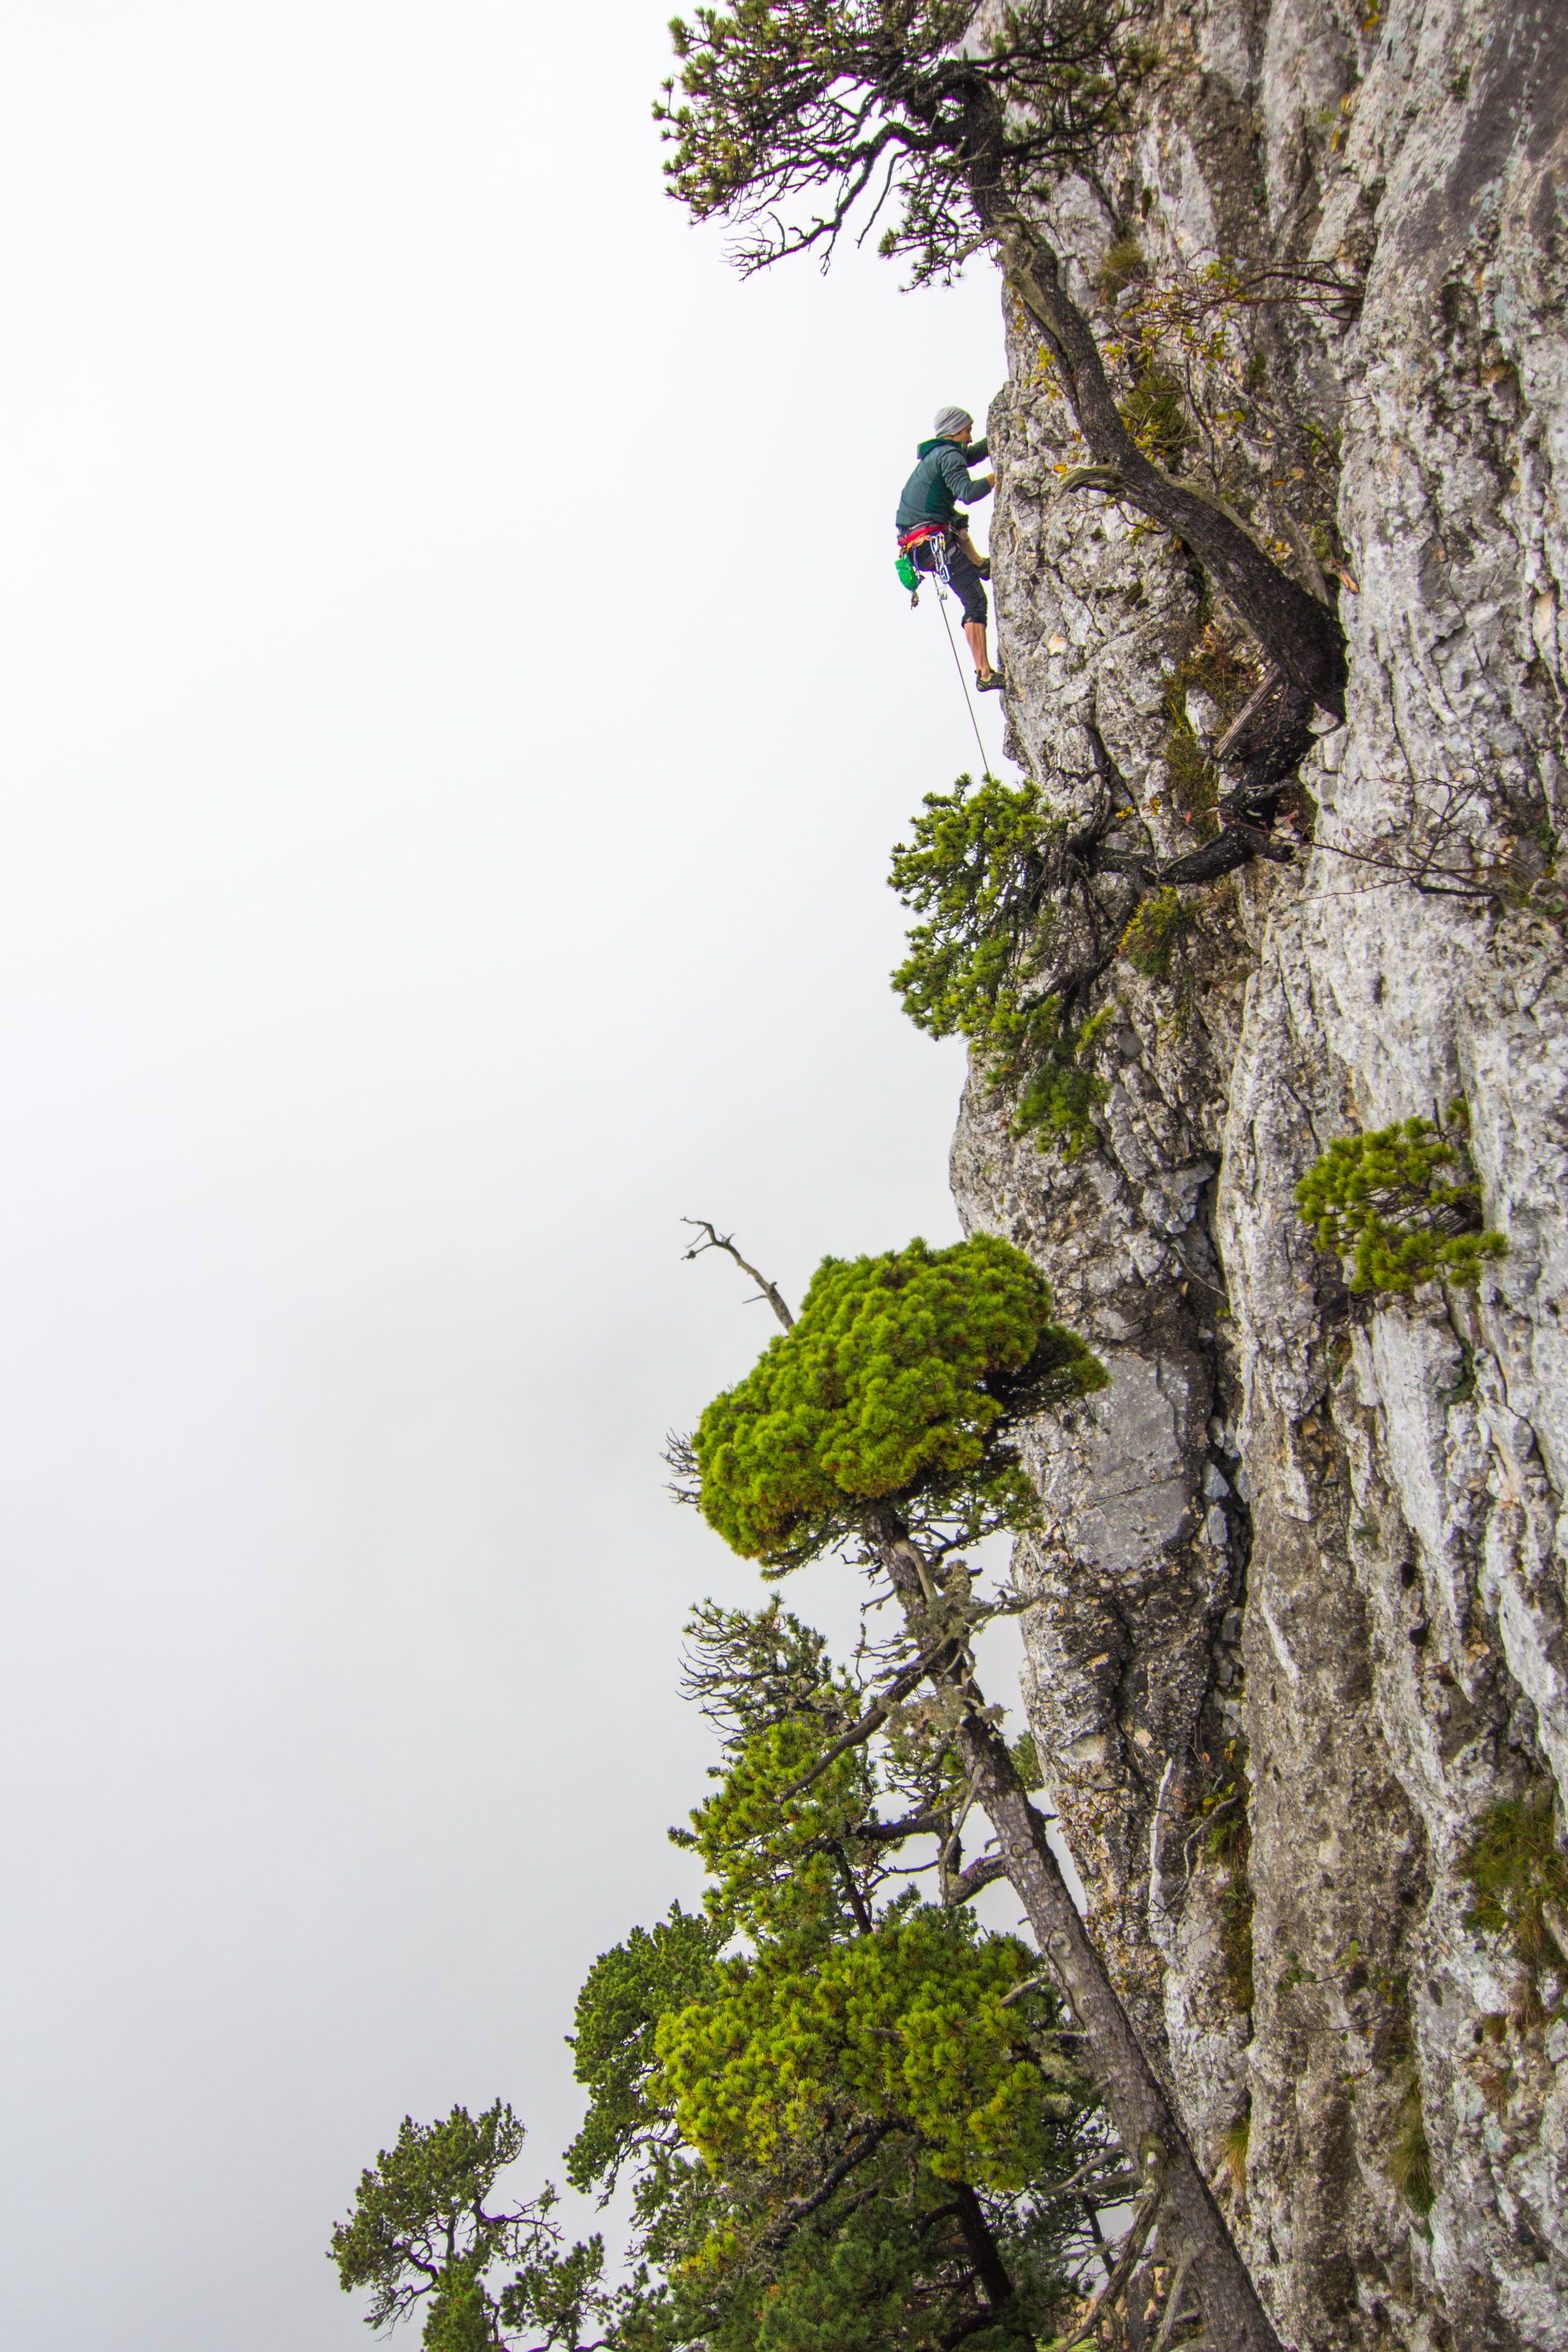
(1304, 1570)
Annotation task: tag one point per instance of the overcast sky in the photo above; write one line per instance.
(457, 706)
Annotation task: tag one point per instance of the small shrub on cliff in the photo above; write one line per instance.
(1225, 1838)
(1519, 1878)
(1234, 2142)
(975, 869)
(1156, 930)
(1189, 772)
(1154, 416)
(1236, 1909)
(1215, 667)
(1125, 264)
(1410, 2152)
(901, 1383)
(1400, 1206)
(1058, 1100)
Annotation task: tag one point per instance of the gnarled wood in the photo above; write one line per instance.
(1296, 631)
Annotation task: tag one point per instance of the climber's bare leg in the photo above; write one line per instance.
(975, 631)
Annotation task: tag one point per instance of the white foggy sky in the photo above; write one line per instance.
(456, 712)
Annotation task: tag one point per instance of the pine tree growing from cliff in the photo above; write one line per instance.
(802, 121)
(883, 1421)
(849, 2111)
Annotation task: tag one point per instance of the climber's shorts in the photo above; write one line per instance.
(967, 584)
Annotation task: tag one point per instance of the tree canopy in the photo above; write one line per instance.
(901, 1383)
(843, 2104)
(906, 2024)
(422, 2235)
(795, 117)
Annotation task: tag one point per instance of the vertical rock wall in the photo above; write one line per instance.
(1301, 1588)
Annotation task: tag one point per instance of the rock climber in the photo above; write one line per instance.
(929, 520)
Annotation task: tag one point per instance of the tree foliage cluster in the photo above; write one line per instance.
(1519, 1879)
(1400, 1206)
(902, 1379)
(846, 2111)
(798, 119)
(845, 2104)
(977, 869)
(1020, 915)
(423, 2239)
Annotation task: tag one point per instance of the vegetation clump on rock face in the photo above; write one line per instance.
(975, 869)
(1400, 1206)
(1520, 1879)
(1155, 933)
(899, 1383)
(1410, 2151)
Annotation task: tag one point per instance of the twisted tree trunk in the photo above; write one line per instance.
(1301, 635)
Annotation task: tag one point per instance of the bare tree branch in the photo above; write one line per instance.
(900, 1687)
(974, 1877)
(723, 1242)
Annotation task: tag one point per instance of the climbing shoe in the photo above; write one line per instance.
(992, 683)
(984, 567)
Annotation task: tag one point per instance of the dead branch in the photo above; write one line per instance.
(722, 1242)
(1126, 2262)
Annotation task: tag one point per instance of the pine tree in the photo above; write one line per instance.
(423, 2239)
(819, 1414)
(846, 2107)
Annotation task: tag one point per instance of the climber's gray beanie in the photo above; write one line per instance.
(950, 421)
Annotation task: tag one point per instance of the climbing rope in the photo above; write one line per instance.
(940, 581)
(963, 682)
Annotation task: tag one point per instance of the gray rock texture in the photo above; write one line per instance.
(1299, 1617)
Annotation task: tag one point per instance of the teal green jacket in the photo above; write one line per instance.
(938, 483)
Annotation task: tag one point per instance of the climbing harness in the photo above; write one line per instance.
(907, 568)
(909, 574)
